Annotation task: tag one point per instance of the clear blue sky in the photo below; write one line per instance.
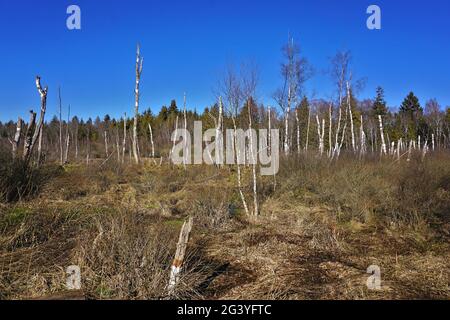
(186, 45)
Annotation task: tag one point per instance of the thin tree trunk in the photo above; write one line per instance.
(185, 130)
(139, 64)
(383, 143)
(252, 154)
(307, 129)
(66, 154)
(286, 124)
(352, 129)
(298, 131)
(151, 141)
(124, 143)
(60, 128)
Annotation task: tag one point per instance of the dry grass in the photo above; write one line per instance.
(321, 226)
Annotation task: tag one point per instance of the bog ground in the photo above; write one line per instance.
(322, 224)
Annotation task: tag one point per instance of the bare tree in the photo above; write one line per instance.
(60, 128)
(66, 152)
(16, 141)
(34, 130)
(124, 143)
(295, 71)
(139, 65)
(230, 86)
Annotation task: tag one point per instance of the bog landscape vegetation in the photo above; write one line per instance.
(359, 184)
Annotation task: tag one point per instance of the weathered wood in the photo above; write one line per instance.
(179, 255)
(15, 143)
(29, 136)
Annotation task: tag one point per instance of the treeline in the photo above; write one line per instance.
(101, 137)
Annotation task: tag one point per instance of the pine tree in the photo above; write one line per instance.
(379, 106)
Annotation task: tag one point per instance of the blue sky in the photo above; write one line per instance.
(187, 44)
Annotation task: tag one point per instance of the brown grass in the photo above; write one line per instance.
(321, 226)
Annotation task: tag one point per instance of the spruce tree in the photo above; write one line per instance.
(379, 106)
(411, 106)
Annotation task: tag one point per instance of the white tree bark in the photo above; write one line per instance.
(66, 151)
(362, 138)
(151, 141)
(307, 129)
(61, 160)
(15, 143)
(330, 130)
(252, 154)
(185, 130)
(286, 124)
(124, 142)
(139, 65)
(298, 131)
(352, 130)
(321, 134)
(35, 130)
(383, 143)
(180, 254)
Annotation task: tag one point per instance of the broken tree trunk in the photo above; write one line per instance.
(28, 150)
(29, 136)
(15, 143)
(179, 255)
(139, 64)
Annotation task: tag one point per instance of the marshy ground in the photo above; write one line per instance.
(321, 226)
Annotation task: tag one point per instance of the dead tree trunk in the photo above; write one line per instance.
(15, 143)
(185, 130)
(180, 254)
(321, 134)
(383, 143)
(33, 136)
(139, 64)
(151, 142)
(60, 128)
(29, 136)
(66, 151)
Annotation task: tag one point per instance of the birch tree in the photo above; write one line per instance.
(139, 66)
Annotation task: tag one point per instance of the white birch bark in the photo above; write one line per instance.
(383, 143)
(124, 142)
(180, 254)
(139, 65)
(352, 130)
